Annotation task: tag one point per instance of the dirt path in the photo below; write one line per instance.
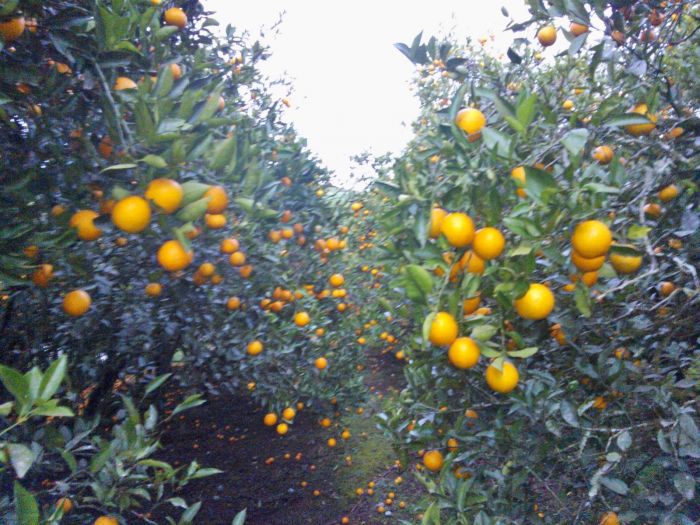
(276, 477)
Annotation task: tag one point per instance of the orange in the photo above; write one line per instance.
(336, 280)
(668, 193)
(320, 331)
(76, 303)
(173, 257)
(443, 329)
(537, 303)
(83, 222)
(12, 29)
(42, 275)
(229, 245)
(568, 104)
(547, 35)
(175, 17)
(176, 71)
(215, 221)
(470, 120)
(254, 347)
(626, 264)
(578, 29)
(502, 381)
(591, 239)
(207, 269)
(131, 214)
(666, 288)
(325, 422)
(472, 263)
(105, 147)
(289, 413)
(321, 363)
(458, 229)
(652, 210)
(518, 173)
(282, 429)
(332, 442)
(65, 504)
(463, 353)
(585, 264)
(123, 83)
(433, 460)
(270, 419)
(153, 289)
(603, 154)
(333, 244)
(233, 303)
(57, 210)
(470, 305)
(287, 233)
(301, 319)
(246, 271)
(488, 243)
(106, 520)
(218, 200)
(609, 518)
(165, 193)
(436, 217)
(356, 206)
(589, 278)
(237, 259)
(274, 236)
(642, 129)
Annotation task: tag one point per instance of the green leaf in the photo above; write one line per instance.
(240, 518)
(224, 152)
(15, 383)
(25, 506)
(70, 460)
(205, 472)
(419, 283)
(637, 232)
(21, 458)
(625, 249)
(615, 484)
(685, 485)
(568, 413)
(53, 411)
(523, 353)
(537, 182)
(100, 460)
(527, 110)
(575, 140)
(194, 210)
(626, 120)
(53, 377)
(190, 514)
(582, 299)
(156, 383)
(6, 408)
(596, 187)
(484, 332)
(624, 440)
(190, 402)
(426, 327)
(117, 167)
(154, 161)
(497, 141)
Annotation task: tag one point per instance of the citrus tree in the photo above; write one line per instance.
(542, 228)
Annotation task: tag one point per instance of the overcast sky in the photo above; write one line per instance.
(350, 84)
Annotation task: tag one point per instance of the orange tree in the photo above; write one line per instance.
(542, 226)
(160, 222)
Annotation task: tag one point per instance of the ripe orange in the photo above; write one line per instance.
(518, 173)
(336, 280)
(537, 303)
(83, 222)
(165, 193)
(472, 263)
(65, 504)
(176, 71)
(652, 210)
(585, 264)
(233, 303)
(603, 154)
(218, 199)
(433, 460)
(568, 104)
(76, 302)
(282, 429)
(321, 363)
(254, 347)
(357, 206)
(591, 239)
(12, 29)
(547, 35)
(175, 17)
(332, 442)
(470, 305)
(436, 217)
(246, 271)
(105, 147)
(470, 120)
(458, 229)
(668, 193)
(666, 288)
(206, 269)
(443, 329)
(173, 257)
(131, 214)
(215, 221)
(609, 518)
(578, 29)
(463, 353)
(488, 243)
(589, 278)
(42, 275)
(123, 83)
(153, 289)
(289, 413)
(642, 129)
(229, 245)
(626, 264)
(106, 520)
(237, 259)
(301, 319)
(502, 381)
(270, 419)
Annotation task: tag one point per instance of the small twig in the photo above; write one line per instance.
(115, 109)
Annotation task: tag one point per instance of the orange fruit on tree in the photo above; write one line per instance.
(443, 329)
(488, 243)
(537, 303)
(270, 419)
(463, 353)
(105, 147)
(603, 154)
(42, 275)
(668, 193)
(578, 29)
(106, 520)
(218, 199)
(436, 216)
(176, 71)
(153, 289)
(625, 264)
(609, 518)
(173, 257)
(591, 239)
(65, 504)
(207, 269)
(175, 17)
(547, 35)
(336, 280)
(289, 413)
(12, 29)
(652, 210)
(237, 259)
(254, 347)
(502, 381)
(165, 193)
(301, 319)
(433, 460)
(215, 221)
(76, 302)
(282, 429)
(123, 83)
(233, 303)
(642, 129)
(131, 214)
(458, 229)
(472, 263)
(585, 264)
(470, 120)
(246, 271)
(470, 305)
(666, 288)
(589, 278)
(568, 104)
(229, 245)
(321, 363)
(82, 221)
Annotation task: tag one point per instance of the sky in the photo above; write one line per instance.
(351, 86)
